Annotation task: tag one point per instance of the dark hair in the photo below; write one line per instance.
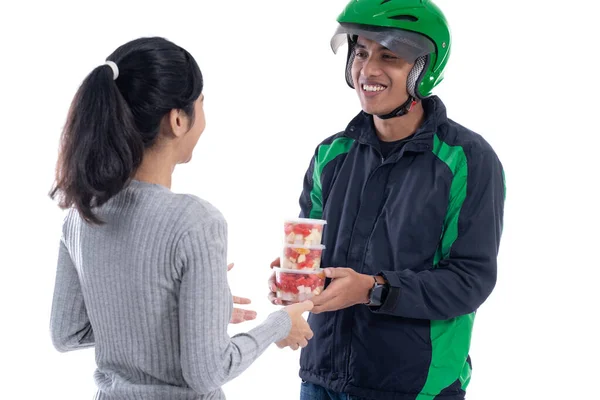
(111, 122)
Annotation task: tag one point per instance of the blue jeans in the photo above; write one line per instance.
(310, 391)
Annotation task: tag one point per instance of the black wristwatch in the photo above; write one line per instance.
(377, 293)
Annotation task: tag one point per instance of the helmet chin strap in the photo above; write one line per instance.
(402, 110)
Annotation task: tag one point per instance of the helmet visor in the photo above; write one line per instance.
(405, 44)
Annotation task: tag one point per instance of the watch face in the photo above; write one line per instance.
(376, 294)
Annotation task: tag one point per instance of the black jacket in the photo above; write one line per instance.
(429, 219)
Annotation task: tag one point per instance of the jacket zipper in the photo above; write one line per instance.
(402, 151)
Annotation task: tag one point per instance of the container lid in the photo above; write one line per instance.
(300, 271)
(301, 246)
(306, 221)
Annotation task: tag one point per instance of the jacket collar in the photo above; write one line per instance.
(362, 128)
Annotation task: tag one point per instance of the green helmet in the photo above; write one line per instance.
(415, 30)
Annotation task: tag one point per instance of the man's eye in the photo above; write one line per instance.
(360, 54)
(389, 56)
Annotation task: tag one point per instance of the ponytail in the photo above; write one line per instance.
(100, 148)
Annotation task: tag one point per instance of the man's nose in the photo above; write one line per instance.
(370, 67)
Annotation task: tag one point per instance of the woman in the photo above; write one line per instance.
(142, 271)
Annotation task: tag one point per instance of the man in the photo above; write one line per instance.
(414, 204)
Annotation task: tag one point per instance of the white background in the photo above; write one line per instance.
(520, 73)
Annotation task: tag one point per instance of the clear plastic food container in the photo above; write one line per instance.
(301, 257)
(304, 231)
(294, 286)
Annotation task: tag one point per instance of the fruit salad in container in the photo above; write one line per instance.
(301, 257)
(294, 286)
(304, 231)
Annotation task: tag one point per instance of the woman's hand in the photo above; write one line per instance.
(239, 314)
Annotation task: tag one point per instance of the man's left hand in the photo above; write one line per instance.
(346, 289)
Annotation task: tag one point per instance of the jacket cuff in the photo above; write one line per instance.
(391, 300)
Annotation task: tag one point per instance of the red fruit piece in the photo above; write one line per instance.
(287, 283)
(289, 252)
(288, 228)
(302, 229)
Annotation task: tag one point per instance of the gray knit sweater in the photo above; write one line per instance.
(149, 290)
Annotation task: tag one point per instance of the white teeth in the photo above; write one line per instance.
(373, 88)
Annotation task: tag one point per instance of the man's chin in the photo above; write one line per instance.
(376, 110)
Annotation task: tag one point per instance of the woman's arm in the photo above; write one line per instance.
(209, 356)
(70, 326)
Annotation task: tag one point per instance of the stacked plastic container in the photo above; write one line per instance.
(300, 276)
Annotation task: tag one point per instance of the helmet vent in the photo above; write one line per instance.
(385, 1)
(405, 18)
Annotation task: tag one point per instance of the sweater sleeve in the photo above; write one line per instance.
(209, 356)
(70, 326)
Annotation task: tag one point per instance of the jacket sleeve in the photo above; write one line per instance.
(311, 204)
(465, 273)
(70, 327)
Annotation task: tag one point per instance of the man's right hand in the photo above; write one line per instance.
(273, 288)
(300, 333)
